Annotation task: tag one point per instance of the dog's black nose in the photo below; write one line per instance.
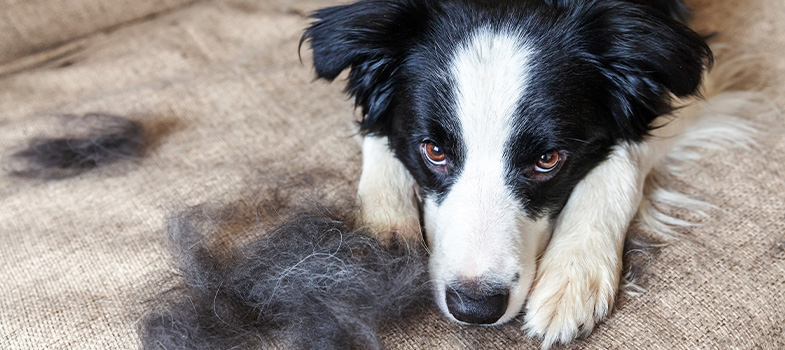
(478, 308)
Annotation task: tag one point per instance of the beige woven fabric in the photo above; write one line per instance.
(231, 109)
(29, 26)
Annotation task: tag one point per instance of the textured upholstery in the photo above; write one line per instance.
(230, 109)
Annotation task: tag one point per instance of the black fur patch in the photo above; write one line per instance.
(93, 140)
(315, 281)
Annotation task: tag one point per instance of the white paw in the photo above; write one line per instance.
(390, 217)
(572, 293)
(388, 202)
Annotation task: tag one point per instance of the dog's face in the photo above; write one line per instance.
(491, 134)
(498, 110)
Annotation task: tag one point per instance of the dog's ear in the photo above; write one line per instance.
(675, 9)
(371, 38)
(646, 57)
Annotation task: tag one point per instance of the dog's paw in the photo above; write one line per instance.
(390, 215)
(386, 193)
(572, 293)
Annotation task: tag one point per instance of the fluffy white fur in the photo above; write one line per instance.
(388, 202)
(723, 122)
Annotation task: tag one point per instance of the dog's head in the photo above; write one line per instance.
(498, 109)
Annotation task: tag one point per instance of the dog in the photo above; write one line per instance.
(516, 136)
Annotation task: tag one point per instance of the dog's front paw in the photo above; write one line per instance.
(572, 293)
(386, 192)
(388, 225)
(390, 215)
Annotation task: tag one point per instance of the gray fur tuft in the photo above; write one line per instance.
(315, 281)
(93, 140)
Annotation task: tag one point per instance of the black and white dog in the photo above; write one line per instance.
(524, 131)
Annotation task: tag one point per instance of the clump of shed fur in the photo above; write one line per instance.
(313, 282)
(88, 142)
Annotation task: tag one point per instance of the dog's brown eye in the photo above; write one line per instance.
(547, 162)
(433, 152)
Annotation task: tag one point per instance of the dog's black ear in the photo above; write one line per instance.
(676, 9)
(646, 56)
(370, 38)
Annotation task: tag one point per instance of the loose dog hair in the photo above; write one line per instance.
(315, 281)
(90, 141)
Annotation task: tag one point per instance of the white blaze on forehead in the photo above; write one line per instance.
(479, 221)
(490, 77)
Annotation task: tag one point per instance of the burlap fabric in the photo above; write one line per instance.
(31, 26)
(231, 110)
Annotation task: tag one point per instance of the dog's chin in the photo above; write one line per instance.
(517, 298)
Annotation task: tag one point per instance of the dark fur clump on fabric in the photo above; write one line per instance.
(313, 282)
(91, 141)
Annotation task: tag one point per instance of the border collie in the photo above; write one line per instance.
(521, 132)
